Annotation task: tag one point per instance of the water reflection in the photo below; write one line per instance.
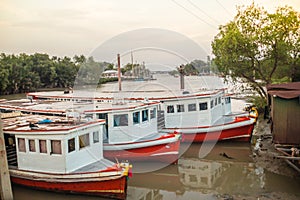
(203, 174)
(195, 178)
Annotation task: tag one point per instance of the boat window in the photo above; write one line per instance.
(96, 136)
(55, 147)
(101, 115)
(31, 145)
(84, 140)
(144, 115)
(153, 113)
(219, 100)
(170, 109)
(211, 103)
(136, 117)
(227, 100)
(121, 120)
(180, 108)
(192, 107)
(203, 106)
(216, 101)
(71, 145)
(21, 144)
(193, 178)
(43, 146)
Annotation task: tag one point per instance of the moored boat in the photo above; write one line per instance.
(130, 131)
(206, 117)
(198, 114)
(62, 155)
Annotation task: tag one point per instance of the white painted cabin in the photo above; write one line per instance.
(195, 110)
(127, 122)
(56, 147)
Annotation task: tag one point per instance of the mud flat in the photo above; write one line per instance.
(265, 157)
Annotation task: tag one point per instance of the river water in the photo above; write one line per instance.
(214, 176)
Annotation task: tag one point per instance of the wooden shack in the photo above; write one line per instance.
(284, 101)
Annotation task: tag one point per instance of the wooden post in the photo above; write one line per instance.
(5, 185)
(181, 73)
(119, 73)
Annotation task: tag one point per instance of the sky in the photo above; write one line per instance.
(76, 27)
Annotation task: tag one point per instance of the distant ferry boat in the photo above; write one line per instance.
(62, 155)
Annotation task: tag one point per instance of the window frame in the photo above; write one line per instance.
(31, 145)
(121, 122)
(145, 117)
(84, 140)
(52, 142)
(96, 137)
(44, 149)
(201, 104)
(21, 145)
(180, 108)
(170, 109)
(70, 150)
(194, 108)
(136, 117)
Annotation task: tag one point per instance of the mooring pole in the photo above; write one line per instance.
(5, 185)
(181, 74)
(119, 72)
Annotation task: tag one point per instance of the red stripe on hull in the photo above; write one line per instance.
(242, 133)
(163, 153)
(114, 188)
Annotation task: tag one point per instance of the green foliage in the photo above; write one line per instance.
(195, 67)
(259, 45)
(106, 80)
(25, 73)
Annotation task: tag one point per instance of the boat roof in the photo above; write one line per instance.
(42, 123)
(63, 107)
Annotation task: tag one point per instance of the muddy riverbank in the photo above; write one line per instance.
(265, 156)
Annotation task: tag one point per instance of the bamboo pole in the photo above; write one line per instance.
(292, 165)
(5, 185)
(289, 157)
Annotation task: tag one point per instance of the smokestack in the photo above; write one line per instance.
(181, 72)
(119, 73)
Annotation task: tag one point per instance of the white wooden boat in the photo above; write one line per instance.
(62, 155)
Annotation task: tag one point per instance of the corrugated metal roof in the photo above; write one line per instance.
(285, 90)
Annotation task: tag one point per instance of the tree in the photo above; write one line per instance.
(259, 45)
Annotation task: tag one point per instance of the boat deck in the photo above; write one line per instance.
(96, 166)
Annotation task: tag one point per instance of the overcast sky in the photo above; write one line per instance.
(74, 27)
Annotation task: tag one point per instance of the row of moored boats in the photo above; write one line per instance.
(73, 142)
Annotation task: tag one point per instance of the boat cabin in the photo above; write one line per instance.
(126, 122)
(195, 110)
(52, 144)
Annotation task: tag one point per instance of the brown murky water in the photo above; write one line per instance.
(211, 177)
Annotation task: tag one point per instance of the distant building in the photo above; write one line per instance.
(284, 101)
(110, 74)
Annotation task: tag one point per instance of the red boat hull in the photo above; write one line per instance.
(167, 152)
(112, 188)
(240, 129)
(240, 133)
